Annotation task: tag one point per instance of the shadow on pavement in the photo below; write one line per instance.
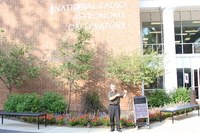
(12, 131)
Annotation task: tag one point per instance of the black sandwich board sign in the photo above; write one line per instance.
(141, 114)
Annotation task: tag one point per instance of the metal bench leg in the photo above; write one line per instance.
(160, 117)
(172, 117)
(38, 122)
(2, 119)
(45, 120)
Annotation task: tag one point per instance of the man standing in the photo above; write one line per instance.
(114, 107)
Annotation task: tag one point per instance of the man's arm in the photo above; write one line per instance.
(113, 97)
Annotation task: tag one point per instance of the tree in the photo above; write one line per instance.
(16, 63)
(75, 61)
(136, 68)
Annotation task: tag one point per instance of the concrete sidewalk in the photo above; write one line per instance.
(182, 123)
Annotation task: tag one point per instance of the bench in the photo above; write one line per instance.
(178, 108)
(2, 112)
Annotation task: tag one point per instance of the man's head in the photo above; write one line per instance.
(113, 87)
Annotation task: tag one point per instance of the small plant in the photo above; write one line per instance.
(41, 119)
(129, 123)
(105, 120)
(83, 120)
(32, 119)
(60, 120)
(50, 119)
(154, 117)
(72, 121)
(24, 118)
(122, 121)
(92, 102)
(95, 121)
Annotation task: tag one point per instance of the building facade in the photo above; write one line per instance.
(170, 27)
(115, 28)
(173, 27)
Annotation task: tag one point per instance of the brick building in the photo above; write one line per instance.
(116, 27)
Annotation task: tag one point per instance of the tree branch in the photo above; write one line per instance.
(4, 83)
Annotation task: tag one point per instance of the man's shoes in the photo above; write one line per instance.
(119, 130)
(111, 130)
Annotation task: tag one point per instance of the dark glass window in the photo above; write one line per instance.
(178, 49)
(187, 37)
(158, 83)
(187, 48)
(152, 32)
(180, 77)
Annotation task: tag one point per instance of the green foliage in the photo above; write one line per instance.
(23, 103)
(30, 103)
(75, 60)
(136, 67)
(12, 102)
(91, 102)
(54, 103)
(16, 64)
(158, 98)
(50, 102)
(180, 94)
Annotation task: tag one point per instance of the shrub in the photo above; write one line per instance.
(23, 103)
(54, 103)
(180, 94)
(50, 102)
(91, 102)
(30, 103)
(11, 103)
(158, 98)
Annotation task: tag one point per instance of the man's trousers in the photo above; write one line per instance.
(114, 112)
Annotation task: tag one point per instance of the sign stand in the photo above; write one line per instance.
(141, 114)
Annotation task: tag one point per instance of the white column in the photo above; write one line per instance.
(170, 80)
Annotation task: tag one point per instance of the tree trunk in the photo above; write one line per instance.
(69, 98)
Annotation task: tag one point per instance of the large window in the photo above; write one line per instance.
(152, 41)
(152, 37)
(187, 37)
